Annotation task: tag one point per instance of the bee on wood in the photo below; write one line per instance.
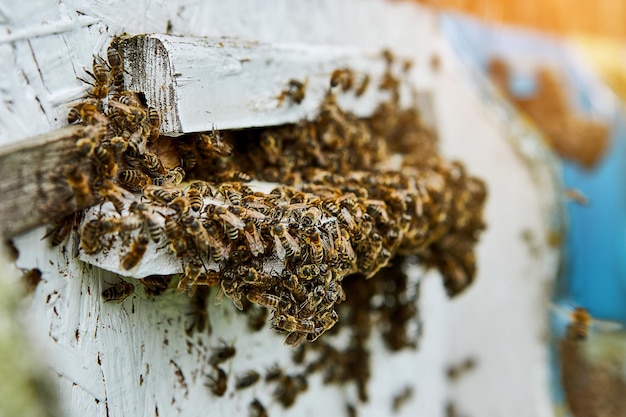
(150, 220)
(247, 380)
(295, 91)
(222, 353)
(217, 384)
(284, 243)
(86, 112)
(195, 198)
(109, 192)
(253, 239)
(155, 284)
(160, 194)
(343, 78)
(117, 67)
(90, 237)
(211, 144)
(79, 184)
(314, 242)
(209, 279)
(118, 292)
(106, 162)
(257, 409)
(200, 313)
(232, 224)
(262, 298)
(100, 76)
(153, 164)
(31, 279)
(137, 249)
(61, 230)
(192, 272)
(134, 180)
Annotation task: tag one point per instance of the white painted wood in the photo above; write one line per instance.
(43, 47)
(198, 82)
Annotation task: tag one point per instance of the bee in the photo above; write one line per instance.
(257, 409)
(79, 184)
(288, 389)
(86, 112)
(174, 176)
(195, 199)
(252, 277)
(100, 76)
(310, 217)
(291, 324)
(328, 319)
(134, 180)
(274, 373)
(316, 250)
(295, 91)
(160, 194)
(151, 221)
(314, 299)
(401, 398)
(154, 121)
(377, 209)
(135, 145)
(200, 313)
(233, 175)
(230, 195)
(253, 238)
(61, 230)
(342, 77)
(362, 88)
(180, 205)
(106, 160)
(175, 235)
(203, 187)
(308, 272)
(230, 288)
(264, 299)
(217, 250)
(209, 279)
(294, 339)
(257, 317)
(118, 292)
(247, 380)
(191, 274)
(222, 353)
(117, 67)
(31, 279)
(284, 243)
(211, 144)
(90, 237)
(156, 284)
(120, 224)
(199, 233)
(128, 99)
(232, 224)
(152, 163)
(272, 146)
(137, 249)
(85, 146)
(110, 192)
(217, 384)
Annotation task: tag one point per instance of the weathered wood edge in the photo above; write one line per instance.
(32, 182)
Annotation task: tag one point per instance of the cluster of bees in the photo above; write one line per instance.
(338, 211)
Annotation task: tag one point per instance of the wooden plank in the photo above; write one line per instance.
(32, 182)
(197, 83)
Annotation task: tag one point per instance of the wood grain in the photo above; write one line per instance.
(32, 183)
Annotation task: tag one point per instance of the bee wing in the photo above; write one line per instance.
(278, 246)
(254, 243)
(233, 220)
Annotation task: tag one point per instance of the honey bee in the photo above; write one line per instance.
(580, 324)
(257, 409)
(308, 272)
(295, 91)
(222, 353)
(110, 192)
(137, 249)
(230, 288)
(90, 237)
(201, 186)
(342, 77)
(314, 299)
(160, 194)
(61, 230)
(79, 184)
(291, 282)
(230, 195)
(328, 319)
(232, 224)
(288, 389)
(117, 67)
(247, 380)
(151, 221)
(284, 244)
(264, 299)
(257, 317)
(401, 398)
(174, 176)
(272, 146)
(316, 248)
(152, 163)
(154, 120)
(134, 180)
(120, 224)
(201, 320)
(217, 250)
(362, 88)
(118, 292)
(106, 160)
(291, 324)
(209, 279)
(135, 145)
(211, 144)
(180, 205)
(100, 76)
(85, 146)
(294, 339)
(195, 198)
(218, 383)
(156, 284)
(191, 274)
(253, 238)
(310, 217)
(86, 112)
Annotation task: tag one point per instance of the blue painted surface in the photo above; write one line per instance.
(594, 269)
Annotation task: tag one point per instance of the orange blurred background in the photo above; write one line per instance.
(567, 17)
